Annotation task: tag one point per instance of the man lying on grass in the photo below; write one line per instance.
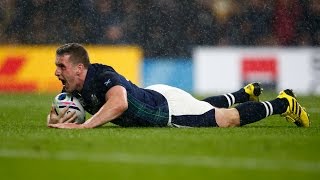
(110, 97)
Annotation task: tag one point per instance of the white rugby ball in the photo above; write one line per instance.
(63, 100)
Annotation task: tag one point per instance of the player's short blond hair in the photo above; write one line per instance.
(77, 53)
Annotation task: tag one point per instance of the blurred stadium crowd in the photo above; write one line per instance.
(162, 27)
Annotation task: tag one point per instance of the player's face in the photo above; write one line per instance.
(66, 72)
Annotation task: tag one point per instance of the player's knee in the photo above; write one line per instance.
(227, 118)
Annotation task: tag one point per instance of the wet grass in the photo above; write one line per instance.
(271, 148)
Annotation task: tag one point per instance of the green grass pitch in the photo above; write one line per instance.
(269, 149)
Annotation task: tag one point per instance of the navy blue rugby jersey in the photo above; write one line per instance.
(145, 107)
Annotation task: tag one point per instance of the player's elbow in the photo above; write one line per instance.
(122, 107)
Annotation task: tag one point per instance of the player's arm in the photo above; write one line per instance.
(116, 104)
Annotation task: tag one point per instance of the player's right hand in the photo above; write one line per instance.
(54, 118)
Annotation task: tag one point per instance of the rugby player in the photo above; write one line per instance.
(110, 97)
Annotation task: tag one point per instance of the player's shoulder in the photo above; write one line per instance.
(101, 67)
(99, 70)
(106, 75)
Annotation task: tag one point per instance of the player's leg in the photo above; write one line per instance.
(250, 92)
(245, 113)
(249, 112)
(186, 111)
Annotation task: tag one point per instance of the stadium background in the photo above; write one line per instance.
(169, 41)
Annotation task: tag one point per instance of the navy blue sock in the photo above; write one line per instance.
(227, 100)
(251, 112)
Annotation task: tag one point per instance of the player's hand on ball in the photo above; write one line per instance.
(64, 116)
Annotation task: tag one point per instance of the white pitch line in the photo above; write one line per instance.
(169, 160)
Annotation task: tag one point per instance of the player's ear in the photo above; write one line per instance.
(80, 68)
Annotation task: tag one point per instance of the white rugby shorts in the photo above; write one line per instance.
(180, 102)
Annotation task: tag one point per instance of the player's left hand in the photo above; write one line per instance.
(63, 117)
(66, 126)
